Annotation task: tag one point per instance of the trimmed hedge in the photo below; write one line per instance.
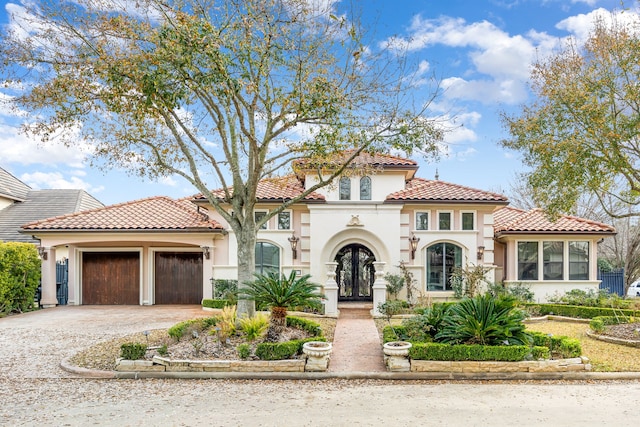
(446, 352)
(543, 346)
(580, 311)
(306, 325)
(277, 350)
(132, 351)
(598, 323)
(178, 330)
(564, 346)
(215, 303)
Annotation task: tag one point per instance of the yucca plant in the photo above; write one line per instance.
(484, 320)
(280, 293)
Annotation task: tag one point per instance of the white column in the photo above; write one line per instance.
(331, 290)
(207, 274)
(379, 288)
(74, 289)
(48, 298)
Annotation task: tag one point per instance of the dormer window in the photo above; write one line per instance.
(345, 188)
(365, 188)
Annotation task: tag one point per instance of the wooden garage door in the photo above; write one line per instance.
(110, 278)
(178, 277)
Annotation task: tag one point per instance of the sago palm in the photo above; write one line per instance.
(483, 320)
(280, 293)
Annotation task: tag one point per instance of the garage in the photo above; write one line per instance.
(178, 277)
(110, 278)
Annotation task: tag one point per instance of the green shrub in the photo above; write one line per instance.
(560, 345)
(522, 293)
(186, 327)
(216, 303)
(19, 276)
(418, 328)
(598, 323)
(591, 298)
(309, 326)
(395, 333)
(475, 352)
(225, 289)
(580, 312)
(483, 320)
(392, 307)
(132, 351)
(540, 352)
(244, 351)
(162, 350)
(254, 327)
(277, 350)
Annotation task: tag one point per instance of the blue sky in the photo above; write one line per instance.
(481, 50)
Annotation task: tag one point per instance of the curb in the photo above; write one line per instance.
(400, 376)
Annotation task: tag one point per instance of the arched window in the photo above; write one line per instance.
(365, 188)
(345, 188)
(442, 259)
(267, 258)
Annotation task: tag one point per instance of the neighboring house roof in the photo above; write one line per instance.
(152, 214)
(510, 220)
(11, 187)
(276, 190)
(424, 190)
(40, 204)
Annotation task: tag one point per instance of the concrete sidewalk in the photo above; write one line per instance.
(356, 342)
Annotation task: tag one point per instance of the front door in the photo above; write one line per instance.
(355, 273)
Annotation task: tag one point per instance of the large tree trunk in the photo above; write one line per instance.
(246, 240)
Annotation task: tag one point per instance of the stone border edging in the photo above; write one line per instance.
(556, 318)
(612, 340)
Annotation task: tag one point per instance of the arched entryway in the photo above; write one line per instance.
(355, 273)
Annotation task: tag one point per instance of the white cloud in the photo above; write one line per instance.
(509, 91)
(17, 147)
(45, 180)
(581, 25)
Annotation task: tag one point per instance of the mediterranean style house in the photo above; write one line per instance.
(348, 236)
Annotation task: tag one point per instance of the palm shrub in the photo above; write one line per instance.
(279, 292)
(484, 320)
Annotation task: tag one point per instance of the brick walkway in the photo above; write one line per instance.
(356, 343)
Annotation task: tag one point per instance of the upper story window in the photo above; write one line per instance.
(422, 220)
(444, 220)
(578, 260)
(345, 188)
(284, 220)
(468, 221)
(258, 216)
(365, 188)
(527, 260)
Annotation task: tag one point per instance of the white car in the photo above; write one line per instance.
(634, 289)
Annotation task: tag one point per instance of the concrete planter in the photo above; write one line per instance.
(317, 353)
(396, 356)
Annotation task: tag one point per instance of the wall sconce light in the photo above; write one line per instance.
(413, 242)
(206, 252)
(43, 253)
(480, 252)
(293, 240)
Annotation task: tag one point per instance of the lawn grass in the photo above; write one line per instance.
(604, 357)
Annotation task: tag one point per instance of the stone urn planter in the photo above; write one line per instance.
(317, 353)
(396, 356)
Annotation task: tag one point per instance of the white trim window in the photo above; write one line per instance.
(552, 260)
(284, 220)
(445, 219)
(579, 260)
(422, 220)
(258, 216)
(365, 188)
(468, 220)
(344, 188)
(527, 260)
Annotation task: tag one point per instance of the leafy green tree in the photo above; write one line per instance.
(221, 93)
(581, 133)
(19, 276)
(280, 293)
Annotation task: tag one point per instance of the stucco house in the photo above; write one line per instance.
(165, 251)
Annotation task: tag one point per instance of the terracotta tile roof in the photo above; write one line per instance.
(424, 190)
(513, 220)
(364, 158)
(154, 213)
(276, 189)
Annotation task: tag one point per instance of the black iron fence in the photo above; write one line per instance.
(613, 281)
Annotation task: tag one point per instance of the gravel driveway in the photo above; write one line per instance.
(35, 391)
